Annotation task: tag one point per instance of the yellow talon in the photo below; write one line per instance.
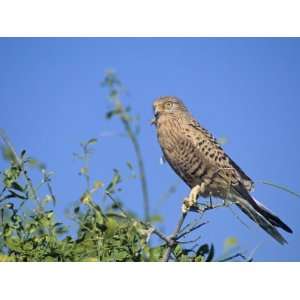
(191, 200)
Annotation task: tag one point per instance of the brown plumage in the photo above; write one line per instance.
(195, 156)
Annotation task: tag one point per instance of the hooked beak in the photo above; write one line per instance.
(156, 115)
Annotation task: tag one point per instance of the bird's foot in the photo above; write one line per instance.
(191, 200)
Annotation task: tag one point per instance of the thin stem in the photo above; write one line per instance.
(47, 180)
(193, 228)
(238, 255)
(115, 88)
(117, 204)
(281, 187)
(162, 236)
(191, 241)
(141, 167)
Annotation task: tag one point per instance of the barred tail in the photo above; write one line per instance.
(260, 214)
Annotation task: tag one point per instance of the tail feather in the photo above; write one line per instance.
(259, 219)
(273, 219)
(259, 214)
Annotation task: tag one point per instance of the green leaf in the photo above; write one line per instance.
(86, 198)
(98, 184)
(23, 154)
(156, 219)
(116, 180)
(47, 199)
(14, 244)
(211, 254)
(90, 259)
(11, 175)
(84, 171)
(92, 141)
(60, 228)
(27, 246)
(199, 258)
(31, 228)
(49, 214)
(33, 162)
(202, 250)
(111, 113)
(178, 250)
(156, 253)
(8, 154)
(7, 231)
(6, 258)
(121, 255)
(112, 226)
(17, 187)
(129, 165)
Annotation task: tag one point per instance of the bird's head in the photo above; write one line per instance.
(167, 105)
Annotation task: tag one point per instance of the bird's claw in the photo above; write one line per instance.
(187, 204)
(191, 200)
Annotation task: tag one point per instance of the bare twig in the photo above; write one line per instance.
(3, 191)
(191, 241)
(193, 228)
(200, 208)
(117, 204)
(238, 255)
(162, 236)
(12, 195)
(173, 237)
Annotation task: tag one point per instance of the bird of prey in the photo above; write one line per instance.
(196, 157)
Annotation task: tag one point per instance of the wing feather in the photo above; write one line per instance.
(218, 157)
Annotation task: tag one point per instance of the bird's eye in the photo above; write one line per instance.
(168, 105)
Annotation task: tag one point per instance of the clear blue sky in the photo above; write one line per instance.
(244, 89)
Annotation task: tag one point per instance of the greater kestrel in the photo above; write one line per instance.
(195, 156)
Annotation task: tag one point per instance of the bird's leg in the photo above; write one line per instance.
(191, 200)
(210, 200)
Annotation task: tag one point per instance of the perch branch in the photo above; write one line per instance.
(176, 235)
(173, 237)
